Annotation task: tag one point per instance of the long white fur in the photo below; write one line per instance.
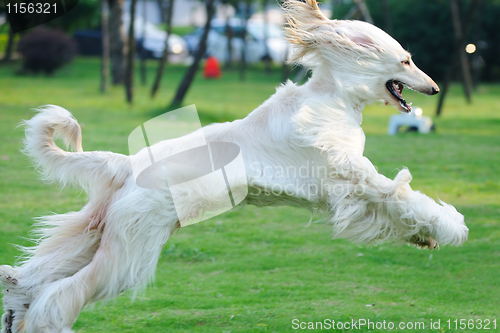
(113, 244)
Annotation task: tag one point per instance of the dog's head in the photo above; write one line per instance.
(355, 55)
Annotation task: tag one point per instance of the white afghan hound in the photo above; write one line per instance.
(114, 242)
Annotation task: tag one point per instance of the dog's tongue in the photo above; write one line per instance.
(398, 87)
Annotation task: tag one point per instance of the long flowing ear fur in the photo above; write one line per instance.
(308, 29)
(303, 18)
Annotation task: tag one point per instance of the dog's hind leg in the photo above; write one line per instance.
(13, 299)
(67, 246)
(136, 230)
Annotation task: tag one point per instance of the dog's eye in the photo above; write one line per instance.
(406, 62)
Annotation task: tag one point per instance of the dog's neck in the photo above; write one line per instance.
(344, 92)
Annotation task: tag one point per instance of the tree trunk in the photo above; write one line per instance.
(267, 55)
(352, 13)
(363, 8)
(446, 84)
(129, 74)
(477, 62)
(460, 37)
(143, 50)
(454, 56)
(9, 48)
(202, 48)
(229, 35)
(105, 45)
(387, 17)
(243, 59)
(285, 73)
(162, 10)
(164, 57)
(116, 46)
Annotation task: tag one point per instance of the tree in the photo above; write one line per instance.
(359, 11)
(285, 70)
(10, 46)
(285, 67)
(459, 55)
(460, 40)
(267, 56)
(229, 32)
(105, 45)
(129, 74)
(243, 59)
(202, 49)
(116, 44)
(143, 54)
(167, 18)
(387, 17)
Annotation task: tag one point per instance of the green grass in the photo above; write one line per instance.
(258, 269)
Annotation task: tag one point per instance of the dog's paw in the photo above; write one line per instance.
(432, 244)
(7, 276)
(429, 243)
(7, 319)
(403, 177)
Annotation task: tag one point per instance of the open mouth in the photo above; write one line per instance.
(396, 89)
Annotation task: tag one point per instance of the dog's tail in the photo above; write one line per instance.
(91, 170)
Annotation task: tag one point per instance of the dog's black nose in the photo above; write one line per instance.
(435, 90)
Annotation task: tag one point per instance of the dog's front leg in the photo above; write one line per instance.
(375, 208)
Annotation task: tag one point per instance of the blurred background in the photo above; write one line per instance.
(116, 64)
(449, 39)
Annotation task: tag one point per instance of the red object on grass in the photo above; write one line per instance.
(212, 68)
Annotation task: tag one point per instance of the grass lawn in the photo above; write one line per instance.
(258, 269)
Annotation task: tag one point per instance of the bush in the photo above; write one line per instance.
(45, 50)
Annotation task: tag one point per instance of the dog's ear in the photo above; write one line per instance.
(351, 37)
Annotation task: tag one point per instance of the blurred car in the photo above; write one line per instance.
(151, 39)
(90, 41)
(255, 47)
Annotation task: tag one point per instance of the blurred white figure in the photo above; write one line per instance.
(414, 119)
